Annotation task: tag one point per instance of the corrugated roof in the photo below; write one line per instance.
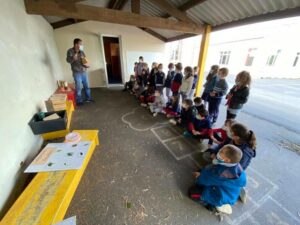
(212, 12)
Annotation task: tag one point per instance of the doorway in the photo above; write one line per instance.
(112, 58)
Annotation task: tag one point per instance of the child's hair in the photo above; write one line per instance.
(175, 99)
(188, 102)
(171, 66)
(141, 58)
(160, 65)
(233, 153)
(150, 90)
(246, 136)
(195, 69)
(132, 77)
(145, 65)
(198, 100)
(154, 64)
(214, 69)
(243, 78)
(135, 63)
(203, 113)
(178, 66)
(189, 71)
(224, 71)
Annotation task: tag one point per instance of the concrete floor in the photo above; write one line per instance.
(141, 172)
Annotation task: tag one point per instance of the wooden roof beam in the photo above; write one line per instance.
(172, 10)
(190, 4)
(136, 6)
(85, 12)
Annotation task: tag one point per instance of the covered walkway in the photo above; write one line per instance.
(141, 172)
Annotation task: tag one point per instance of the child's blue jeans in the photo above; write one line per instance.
(81, 78)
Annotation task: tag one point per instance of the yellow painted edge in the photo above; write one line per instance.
(70, 182)
(202, 57)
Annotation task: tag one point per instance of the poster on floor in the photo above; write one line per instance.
(60, 156)
(69, 221)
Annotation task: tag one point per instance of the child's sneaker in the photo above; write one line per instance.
(172, 121)
(243, 195)
(226, 209)
(143, 105)
(154, 114)
(187, 134)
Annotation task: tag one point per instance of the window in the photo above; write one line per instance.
(250, 56)
(272, 58)
(296, 59)
(174, 51)
(224, 57)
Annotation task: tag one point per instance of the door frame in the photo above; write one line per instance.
(121, 59)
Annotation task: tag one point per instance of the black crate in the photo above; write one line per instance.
(41, 127)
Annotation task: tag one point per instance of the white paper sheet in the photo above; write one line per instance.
(69, 221)
(60, 156)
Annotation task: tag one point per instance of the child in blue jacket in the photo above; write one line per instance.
(220, 183)
(244, 139)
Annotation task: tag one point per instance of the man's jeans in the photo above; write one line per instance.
(81, 77)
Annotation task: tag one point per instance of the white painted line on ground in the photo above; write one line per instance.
(138, 129)
(285, 209)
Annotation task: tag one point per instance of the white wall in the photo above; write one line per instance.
(29, 69)
(132, 40)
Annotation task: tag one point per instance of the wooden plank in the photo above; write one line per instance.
(171, 10)
(85, 12)
(116, 4)
(190, 4)
(136, 6)
(155, 34)
(180, 37)
(62, 133)
(64, 23)
(47, 197)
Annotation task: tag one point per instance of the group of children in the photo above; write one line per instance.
(230, 148)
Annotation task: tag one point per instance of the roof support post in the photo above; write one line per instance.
(202, 57)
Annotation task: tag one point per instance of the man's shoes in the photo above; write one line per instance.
(89, 100)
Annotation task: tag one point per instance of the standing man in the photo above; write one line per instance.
(79, 64)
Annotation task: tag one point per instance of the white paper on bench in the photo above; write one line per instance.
(60, 156)
(69, 221)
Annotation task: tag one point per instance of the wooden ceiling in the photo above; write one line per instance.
(178, 20)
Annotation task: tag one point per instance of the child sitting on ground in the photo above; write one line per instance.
(244, 139)
(198, 104)
(147, 96)
(200, 126)
(158, 105)
(187, 115)
(220, 135)
(220, 183)
(172, 108)
(129, 84)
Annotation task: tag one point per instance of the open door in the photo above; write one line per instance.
(113, 61)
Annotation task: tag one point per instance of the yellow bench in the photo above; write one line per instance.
(47, 197)
(61, 133)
